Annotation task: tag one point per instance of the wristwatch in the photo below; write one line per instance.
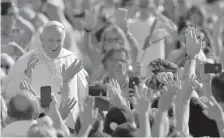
(87, 30)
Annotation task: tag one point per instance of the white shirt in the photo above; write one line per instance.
(17, 128)
(47, 73)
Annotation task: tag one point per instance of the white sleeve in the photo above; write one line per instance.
(11, 84)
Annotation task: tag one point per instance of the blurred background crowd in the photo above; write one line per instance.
(151, 35)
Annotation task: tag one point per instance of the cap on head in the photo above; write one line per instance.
(115, 117)
(53, 23)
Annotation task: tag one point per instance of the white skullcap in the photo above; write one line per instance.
(54, 23)
(57, 3)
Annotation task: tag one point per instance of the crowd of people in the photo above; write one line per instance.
(112, 68)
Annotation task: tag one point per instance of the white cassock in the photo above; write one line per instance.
(48, 73)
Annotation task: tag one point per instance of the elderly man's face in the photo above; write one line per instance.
(52, 40)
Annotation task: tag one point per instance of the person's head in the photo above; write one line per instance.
(115, 62)
(195, 15)
(9, 12)
(52, 38)
(145, 6)
(125, 130)
(6, 62)
(112, 37)
(218, 88)
(23, 106)
(117, 116)
(42, 130)
(131, 6)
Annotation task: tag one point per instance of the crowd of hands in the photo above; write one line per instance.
(176, 92)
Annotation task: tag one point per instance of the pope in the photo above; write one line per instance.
(50, 65)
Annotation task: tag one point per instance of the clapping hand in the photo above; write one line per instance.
(88, 113)
(213, 110)
(72, 70)
(193, 46)
(26, 86)
(32, 62)
(66, 106)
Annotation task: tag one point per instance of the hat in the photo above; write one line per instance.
(117, 116)
(125, 130)
(54, 23)
(158, 66)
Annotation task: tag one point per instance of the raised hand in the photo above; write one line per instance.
(213, 110)
(32, 62)
(26, 86)
(166, 99)
(90, 20)
(143, 97)
(169, 82)
(88, 113)
(69, 73)
(66, 106)
(193, 45)
(115, 92)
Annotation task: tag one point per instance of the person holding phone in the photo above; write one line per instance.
(49, 67)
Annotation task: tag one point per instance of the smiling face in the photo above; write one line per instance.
(52, 39)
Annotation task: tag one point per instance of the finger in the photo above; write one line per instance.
(22, 86)
(26, 85)
(137, 94)
(165, 80)
(191, 32)
(36, 60)
(212, 98)
(74, 63)
(69, 102)
(194, 33)
(53, 98)
(72, 104)
(201, 42)
(63, 103)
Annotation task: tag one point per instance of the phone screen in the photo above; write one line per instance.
(45, 96)
(212, 68)
(133, 81)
